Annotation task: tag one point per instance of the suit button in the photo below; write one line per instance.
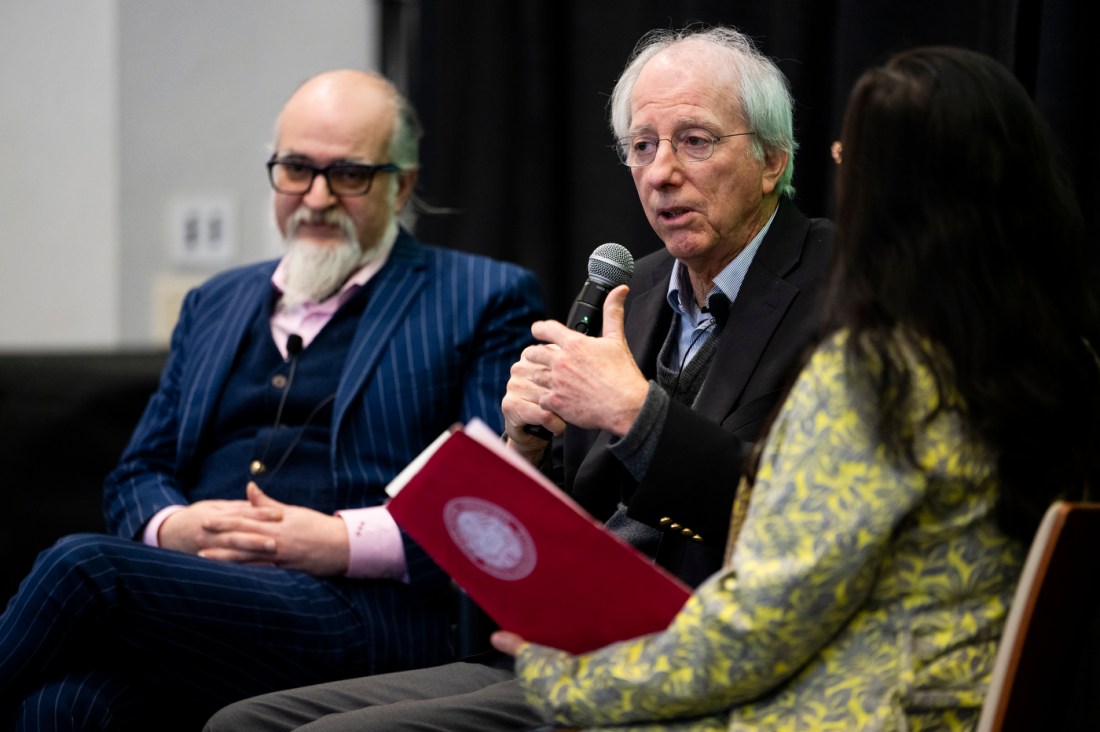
(279, 381)
(696, 538)
(665, 521)
(687, 532)
(674, 526)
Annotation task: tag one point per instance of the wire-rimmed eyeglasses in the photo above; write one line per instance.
(692, 145)
(295, 177)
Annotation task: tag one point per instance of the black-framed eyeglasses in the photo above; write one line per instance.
(295, 177)
(691, 145)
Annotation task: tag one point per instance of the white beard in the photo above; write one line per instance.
(314, 273)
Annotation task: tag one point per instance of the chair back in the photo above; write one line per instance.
(1047, 672)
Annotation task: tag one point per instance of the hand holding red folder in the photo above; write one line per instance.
(533, 559)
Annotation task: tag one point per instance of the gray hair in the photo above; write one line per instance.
(405, 151)
(405, 144)
(763, 93)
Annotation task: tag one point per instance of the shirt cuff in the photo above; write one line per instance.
(152, 529)
(374, 544)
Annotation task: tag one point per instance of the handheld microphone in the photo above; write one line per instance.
(609, 266)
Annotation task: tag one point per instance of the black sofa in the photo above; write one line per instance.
(64, 420)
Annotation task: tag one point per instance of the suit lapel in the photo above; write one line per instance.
(230, 313)
(648, 318)
(755, 314)
(393, 290)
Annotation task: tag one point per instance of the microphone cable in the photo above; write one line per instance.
(718, 312)
(258, 467)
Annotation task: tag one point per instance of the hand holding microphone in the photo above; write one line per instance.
(609, 266)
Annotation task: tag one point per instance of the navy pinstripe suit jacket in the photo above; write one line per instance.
(440, 331)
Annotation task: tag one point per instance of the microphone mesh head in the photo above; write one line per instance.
(611, 264)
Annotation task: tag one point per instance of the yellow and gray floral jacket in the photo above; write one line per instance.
(860, 595)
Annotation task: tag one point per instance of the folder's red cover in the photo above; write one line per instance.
(532, 558)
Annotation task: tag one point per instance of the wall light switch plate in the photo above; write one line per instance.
(203, 230)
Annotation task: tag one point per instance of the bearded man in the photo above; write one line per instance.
(251, 550)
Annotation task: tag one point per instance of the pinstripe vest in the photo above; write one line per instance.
(292, 442)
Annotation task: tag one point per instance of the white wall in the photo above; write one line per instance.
(59, 194)
(121, 116)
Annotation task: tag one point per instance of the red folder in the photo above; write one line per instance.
(532, 558)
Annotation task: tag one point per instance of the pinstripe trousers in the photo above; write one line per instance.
(107, 633)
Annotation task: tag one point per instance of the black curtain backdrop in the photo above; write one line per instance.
(514, 94)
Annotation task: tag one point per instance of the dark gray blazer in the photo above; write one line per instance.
(701, 454)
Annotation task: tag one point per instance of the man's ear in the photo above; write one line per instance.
(775, 162)
(406, 182)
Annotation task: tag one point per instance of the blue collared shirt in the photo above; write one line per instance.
(696, 325)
